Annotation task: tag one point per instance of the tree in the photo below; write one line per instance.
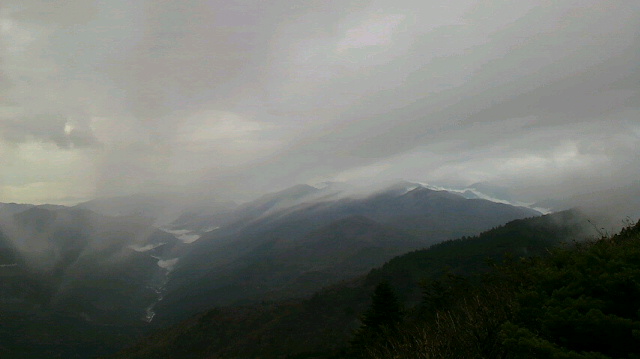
(385, 310)
(379, 321)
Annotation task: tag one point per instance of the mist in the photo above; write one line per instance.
(233, 99)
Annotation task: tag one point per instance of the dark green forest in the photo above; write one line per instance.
(541, 287)
(580, 301)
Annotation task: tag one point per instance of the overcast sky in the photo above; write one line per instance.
(239, 97)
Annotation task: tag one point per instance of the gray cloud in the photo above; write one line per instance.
(241, 97)
(57, 130)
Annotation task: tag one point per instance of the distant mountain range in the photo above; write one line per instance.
(300, 239)
(123, 266)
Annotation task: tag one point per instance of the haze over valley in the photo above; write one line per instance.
(318, 179)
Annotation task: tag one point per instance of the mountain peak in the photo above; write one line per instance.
(495, 191)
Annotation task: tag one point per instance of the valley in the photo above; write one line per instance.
(122, 270)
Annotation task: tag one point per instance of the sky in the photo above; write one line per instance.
(235, 98)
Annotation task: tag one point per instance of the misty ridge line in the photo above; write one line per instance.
(67, 257)
(38, 250)
(71, 246)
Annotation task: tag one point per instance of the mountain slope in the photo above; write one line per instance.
(77, 269)
(281, 268)
(249, 258)
(110, 276)
(319, 326)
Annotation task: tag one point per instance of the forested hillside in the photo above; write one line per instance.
(323, 325)
(581, 301)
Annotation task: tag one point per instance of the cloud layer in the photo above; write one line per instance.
(239, 97)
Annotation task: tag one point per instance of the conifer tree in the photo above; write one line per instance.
(385, 310)
(378, 322)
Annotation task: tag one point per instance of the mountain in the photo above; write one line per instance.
(607, 209)
(280, 268)
(488, 191)
(557, 305)
(492, 191)
(162, 209)
(252, 256)
(139, 205)
(80, 270)
(320, 325)
(115, 268)
(9, 209)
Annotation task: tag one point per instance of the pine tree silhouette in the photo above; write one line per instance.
(385, 310)
(378, 321)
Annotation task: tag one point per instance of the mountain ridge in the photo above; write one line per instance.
(320, 325)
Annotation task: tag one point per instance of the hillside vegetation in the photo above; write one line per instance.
(323, 325)
(581, 301)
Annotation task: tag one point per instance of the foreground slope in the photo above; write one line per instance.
(321, 325)
(580, 301)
